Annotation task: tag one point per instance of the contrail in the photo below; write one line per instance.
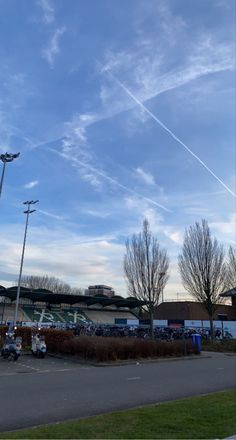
(110, 179)
(105, 176)
(145, 109)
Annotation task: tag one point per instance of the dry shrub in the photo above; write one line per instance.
(55, 339)
(110, 349)
(23, 332)
(227, 345)
(3, 329)
(102, 349)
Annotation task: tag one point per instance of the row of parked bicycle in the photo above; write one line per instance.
(160, 333)
(12, 346)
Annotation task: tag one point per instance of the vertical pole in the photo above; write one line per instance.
(222, 329)
(2, 177)
(21, 266)
(3, 310)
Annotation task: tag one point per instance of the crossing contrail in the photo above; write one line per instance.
(114, 181)
(145, 109)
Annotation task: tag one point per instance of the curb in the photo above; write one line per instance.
(129, 362)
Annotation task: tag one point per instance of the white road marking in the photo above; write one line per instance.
(28, 366)
(64, 369)
(133, 378)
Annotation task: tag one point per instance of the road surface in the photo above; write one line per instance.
(38, 391)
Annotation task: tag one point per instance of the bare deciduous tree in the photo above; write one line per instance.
(50, 283)
(202, 268)
(146, 268)
(231, 268)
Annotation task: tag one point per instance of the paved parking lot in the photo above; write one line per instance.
(36, 391)
(30, 364)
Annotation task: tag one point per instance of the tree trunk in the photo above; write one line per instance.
(212, 329)
(151, 323)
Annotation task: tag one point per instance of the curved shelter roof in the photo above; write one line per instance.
(44, 295)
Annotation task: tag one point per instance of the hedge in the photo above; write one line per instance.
(111, 349)
(100, 349)
(54, 338)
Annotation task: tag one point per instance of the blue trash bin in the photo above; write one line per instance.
(198, 343)
(193, 341)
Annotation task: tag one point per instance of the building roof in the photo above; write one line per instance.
(190, 310)
(44, 295)
(230, 293)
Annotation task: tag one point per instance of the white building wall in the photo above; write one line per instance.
(229, 326)
(160, 322)
(132, 322)
(196, 323)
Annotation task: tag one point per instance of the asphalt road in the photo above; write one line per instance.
(38, 391)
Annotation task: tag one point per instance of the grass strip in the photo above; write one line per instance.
(204, 417)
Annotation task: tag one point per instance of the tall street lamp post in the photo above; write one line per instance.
(5, 158)
(27, 212)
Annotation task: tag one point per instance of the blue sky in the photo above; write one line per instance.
(85, 88)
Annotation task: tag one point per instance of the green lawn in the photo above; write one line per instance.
(206, 417)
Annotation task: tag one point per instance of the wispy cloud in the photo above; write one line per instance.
(142, 66)
(79, 259)
(49, 214)
(31, 184)
(159, 122)
(145, 176)
(145, 71)
(105, 176)
(75, 144)
(157, 223)
(174, 235)
(226, 227)
(76, 149)
(96, 213)
(198, 210)
(161, 228)
(53, 48)
(48, 11)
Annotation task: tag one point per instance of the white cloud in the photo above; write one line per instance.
(79, 260)
(31, 184)
(170, 24)
(198, 210)
(145, 176)
(172, 134)
(49, 214)
(53, 48)
(228, 227)
(96, 213)
(48, 11)
(145, 69)
(156, 221)
(174, 235)
(76, 149)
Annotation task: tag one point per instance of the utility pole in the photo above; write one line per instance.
(5, 158)
(27, 212)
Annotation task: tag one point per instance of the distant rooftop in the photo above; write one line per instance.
(229, 293)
